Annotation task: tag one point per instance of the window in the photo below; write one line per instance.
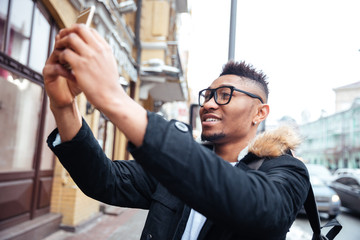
(26, 163)
(39, 41)
(21, 102)
(20, 20)
(348, 181)
(26, 34)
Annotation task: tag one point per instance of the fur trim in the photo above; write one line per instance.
(274, 143)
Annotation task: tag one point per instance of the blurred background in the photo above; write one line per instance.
(166, 51)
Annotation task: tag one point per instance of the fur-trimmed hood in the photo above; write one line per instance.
(274, 143)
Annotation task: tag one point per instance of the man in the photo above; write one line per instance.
(191, 192)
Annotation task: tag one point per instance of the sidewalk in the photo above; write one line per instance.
(121, 223)
(125, 223)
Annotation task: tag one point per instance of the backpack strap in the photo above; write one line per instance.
(314, 219)
(310, 208)
(313, 214)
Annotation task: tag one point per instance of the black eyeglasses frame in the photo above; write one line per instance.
(232, 88)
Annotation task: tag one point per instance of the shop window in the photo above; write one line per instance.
(39, 41)
(26, 34)
(20, 101)
(20, 30)
(27, 31)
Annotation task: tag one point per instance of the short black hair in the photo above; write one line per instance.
(246, 70)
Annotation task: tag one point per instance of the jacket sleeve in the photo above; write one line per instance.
(121, 183)
(267, 199)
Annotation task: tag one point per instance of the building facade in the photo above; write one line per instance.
(345, 96)
(334, 141)
(37, 194)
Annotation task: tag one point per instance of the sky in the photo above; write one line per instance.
(306, 48)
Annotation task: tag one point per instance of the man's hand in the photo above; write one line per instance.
(59, 83)
(94, 72)
(93, 65)
(61, 87)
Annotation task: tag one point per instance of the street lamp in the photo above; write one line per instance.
(232, 33)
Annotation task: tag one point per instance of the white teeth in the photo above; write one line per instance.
(211, 120)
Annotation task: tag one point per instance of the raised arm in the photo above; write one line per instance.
(94, 72)
(62, 90)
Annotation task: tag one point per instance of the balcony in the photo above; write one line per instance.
(163, 82)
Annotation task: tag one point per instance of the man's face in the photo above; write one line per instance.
(233, 121)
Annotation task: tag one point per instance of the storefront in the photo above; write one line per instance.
(34, 187)
(27, 34)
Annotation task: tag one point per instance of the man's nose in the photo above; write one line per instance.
(211, 103)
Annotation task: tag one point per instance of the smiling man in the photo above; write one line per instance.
(247, 187)
(232, 108)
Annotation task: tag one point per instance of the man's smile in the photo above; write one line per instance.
(211, 120)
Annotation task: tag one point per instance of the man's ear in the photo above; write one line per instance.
(263, 112)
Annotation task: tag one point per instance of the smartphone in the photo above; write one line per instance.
(86, 16)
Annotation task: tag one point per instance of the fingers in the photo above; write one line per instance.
(83, 32)
(90, 57)
(51, 71)
(54, 66)
(83, 41)
(64, 59)
(72, 41)
(68, 57)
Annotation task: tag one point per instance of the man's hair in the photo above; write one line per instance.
(246, 70)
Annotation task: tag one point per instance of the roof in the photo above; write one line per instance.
(349, 86)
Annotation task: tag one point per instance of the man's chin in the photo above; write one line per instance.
(212, 138)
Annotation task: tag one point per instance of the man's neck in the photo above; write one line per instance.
(229, 152)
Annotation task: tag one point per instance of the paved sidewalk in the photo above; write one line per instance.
(127, 224)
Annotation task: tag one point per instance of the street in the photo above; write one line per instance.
(301, 229)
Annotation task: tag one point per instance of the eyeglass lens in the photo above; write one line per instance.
(222, 95)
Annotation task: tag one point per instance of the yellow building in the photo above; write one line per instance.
(37, 194)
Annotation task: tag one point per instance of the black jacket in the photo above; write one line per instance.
(173, 172)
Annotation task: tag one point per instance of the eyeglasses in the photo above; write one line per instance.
(222, 95)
